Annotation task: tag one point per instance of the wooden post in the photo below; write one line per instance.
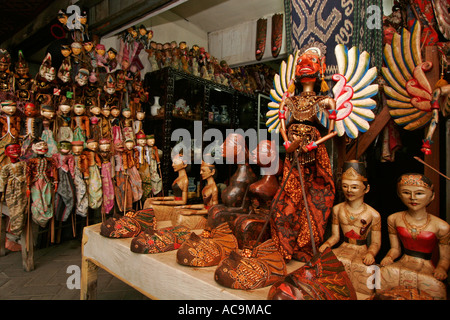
(376, 127)
(2, 234)
(431, 54)
(28, 250)
(88, 289)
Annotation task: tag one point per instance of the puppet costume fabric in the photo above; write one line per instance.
(90, 168)
(289, 224)
(40, 172)
(153, 160)
(107, 187)
(13, 185)
(65, 194)
(144, 172)
(322, 278)
(82, 203)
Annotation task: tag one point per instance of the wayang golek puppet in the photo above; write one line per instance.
(42, 183)
(64, 130)
(82, 203)
(48, 126)
(143, 165)
(80, 123)
(65, 193)
(152, 158)
(91, 164)
(13, 188)
(122, 189)
(31, 129)
(107, 173)
(131, 169)
(10, 127)
(307, 171)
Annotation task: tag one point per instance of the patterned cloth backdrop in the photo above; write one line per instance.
(368, 29)
(327, 21)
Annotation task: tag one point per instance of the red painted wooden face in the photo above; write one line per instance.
(13, 152)
(309, 66)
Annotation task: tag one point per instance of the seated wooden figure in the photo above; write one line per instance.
(418, 233)
(193, 216)
(247, 227)
(234, 195)
(357, 220)
(164, 207)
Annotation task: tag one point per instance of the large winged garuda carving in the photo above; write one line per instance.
(352, 92)
(410, 98)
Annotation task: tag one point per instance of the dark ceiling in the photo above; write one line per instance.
(16, 14)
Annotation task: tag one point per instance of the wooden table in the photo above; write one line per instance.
(157, 276)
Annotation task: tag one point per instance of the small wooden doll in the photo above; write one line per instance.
(80, 123)
(45, 82)
(64, 80)
(101, 61)
(63, 123)
(152, 157)
(10, 127)
(80, 85)
(127, 124)
(138, 125)
(110, 96)
(107, 172)
(91, 172)
(65, 194)
(30, 129)
(142, 164)
(131, 168)
(138, 96)
(6, 78)
(13, 186)
(122, 188)
(116, 126)
(48, 120)
(23, 81)
(42, 182)
(95, 130)
(111, 60)
(105, 122)
(89, 51)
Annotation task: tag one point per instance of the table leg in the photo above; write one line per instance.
(88, 290)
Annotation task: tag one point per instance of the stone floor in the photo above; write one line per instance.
(48, 281)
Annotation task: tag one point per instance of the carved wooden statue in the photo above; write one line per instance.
(418, 233)
(193, 216)
(164, 207)
(358, 221)
(234, 196)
